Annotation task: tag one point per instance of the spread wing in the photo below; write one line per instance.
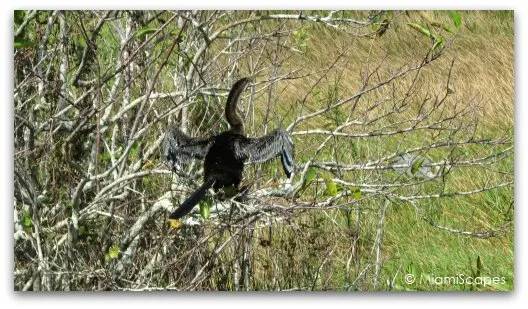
(267, 147)
(178, 147)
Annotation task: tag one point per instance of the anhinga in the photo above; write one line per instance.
(225, 154)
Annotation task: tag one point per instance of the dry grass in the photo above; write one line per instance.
(482, 75)
(482, 48)
(306, 247)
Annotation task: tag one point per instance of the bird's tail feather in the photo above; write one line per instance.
(287, 163)
(191, 201)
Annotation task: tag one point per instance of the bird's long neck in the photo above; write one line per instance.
(235, 121)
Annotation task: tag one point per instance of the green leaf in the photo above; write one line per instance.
(42, 17)
(205, 208)
(134, 151)
(417, 165)
(438, 42)
(81, 231)
(144, 31)
(455, 16)
(19, 17)
(308, 177)
(356, 193)
(442, 26)
(113, 252)
(105, 157)
(420, 28)
(23, 44)
(331, 188)
(300, 38)
(27, 220)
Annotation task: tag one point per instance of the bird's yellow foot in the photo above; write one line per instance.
(175, 223)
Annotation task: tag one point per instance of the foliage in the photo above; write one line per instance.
(95, 90)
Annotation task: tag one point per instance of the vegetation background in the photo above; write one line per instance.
(94, 91)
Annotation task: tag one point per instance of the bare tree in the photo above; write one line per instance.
(95, 92)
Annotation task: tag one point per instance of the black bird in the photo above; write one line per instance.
(226, 153)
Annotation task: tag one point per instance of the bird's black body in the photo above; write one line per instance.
(222, 163)
(225, 154)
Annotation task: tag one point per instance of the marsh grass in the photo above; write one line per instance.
(312, 251)
(363, 241)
